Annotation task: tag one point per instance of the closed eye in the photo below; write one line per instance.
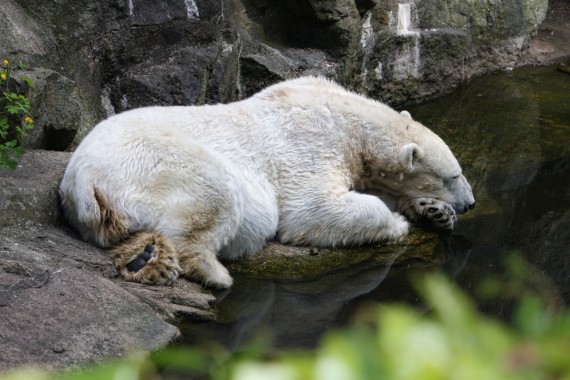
(453, 178)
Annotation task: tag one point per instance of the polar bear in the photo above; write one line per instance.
(176, 189)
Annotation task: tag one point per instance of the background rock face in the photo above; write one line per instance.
(91, 59)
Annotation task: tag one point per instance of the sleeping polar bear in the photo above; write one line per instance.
(175, 188)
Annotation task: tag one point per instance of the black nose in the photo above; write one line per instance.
(472, 206)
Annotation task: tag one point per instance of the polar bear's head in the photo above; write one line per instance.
(418, 165)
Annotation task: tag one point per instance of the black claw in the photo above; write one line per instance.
(149, 248)
(422, 204)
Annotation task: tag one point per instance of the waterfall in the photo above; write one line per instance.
(131, 8)
(191, 9)
(367, 44)
(404, 18)
(404, 29)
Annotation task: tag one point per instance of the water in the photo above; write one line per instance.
(404, 19)
(191, 9)
(511, 132)
(413, 53)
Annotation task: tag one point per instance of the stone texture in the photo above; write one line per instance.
(109, 56)
(60, 301)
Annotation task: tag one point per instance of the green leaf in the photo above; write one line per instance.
(6, 161)
(13, 109)
(531, 316)
(11, 143)
(18, 152)
(29, 81)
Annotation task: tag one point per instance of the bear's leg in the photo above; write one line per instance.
(198, 261)
(147, 258)
(440, 214)
(351, 218)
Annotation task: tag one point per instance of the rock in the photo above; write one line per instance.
(106, 57)
(60, 301)
(59, 113)
(443, 44)
(563, 68)
(30, 192)
(289, 263)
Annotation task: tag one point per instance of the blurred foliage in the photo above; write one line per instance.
(453, 340)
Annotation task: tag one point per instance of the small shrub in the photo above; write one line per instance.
(15, 121)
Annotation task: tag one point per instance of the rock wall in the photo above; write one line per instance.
(91, 59)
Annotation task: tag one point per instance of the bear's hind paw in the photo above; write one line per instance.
(156, 264)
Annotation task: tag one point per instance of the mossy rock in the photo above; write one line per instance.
(284, 262)
(563, 68)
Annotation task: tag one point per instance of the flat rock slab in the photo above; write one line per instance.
(281, 262)
(62, 303)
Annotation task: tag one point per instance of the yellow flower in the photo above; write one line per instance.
(5, 62)
(29, 120)
(3, 76)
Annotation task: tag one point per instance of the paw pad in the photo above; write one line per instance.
(440, 214)
(142, 259)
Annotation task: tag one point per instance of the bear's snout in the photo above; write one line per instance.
(465, 208)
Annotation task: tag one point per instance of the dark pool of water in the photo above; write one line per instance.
(511, 132)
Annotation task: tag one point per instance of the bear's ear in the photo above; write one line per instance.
(406, 114)
(409, 155)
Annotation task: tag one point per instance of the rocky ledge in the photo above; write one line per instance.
(62, 304)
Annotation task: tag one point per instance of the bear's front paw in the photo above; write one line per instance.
(154, 265)
(205, 268)
(398, 229)
(439, 213)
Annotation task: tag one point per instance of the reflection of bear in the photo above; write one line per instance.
(173, 187)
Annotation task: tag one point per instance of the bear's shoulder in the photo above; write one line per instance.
(310, 91)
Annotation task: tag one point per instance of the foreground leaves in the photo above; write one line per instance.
(452, 341)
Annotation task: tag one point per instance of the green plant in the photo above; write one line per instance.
(14, 115)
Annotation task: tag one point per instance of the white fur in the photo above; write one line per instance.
(294, 160)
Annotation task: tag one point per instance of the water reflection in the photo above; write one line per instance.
(511, 132)
(297, 313)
